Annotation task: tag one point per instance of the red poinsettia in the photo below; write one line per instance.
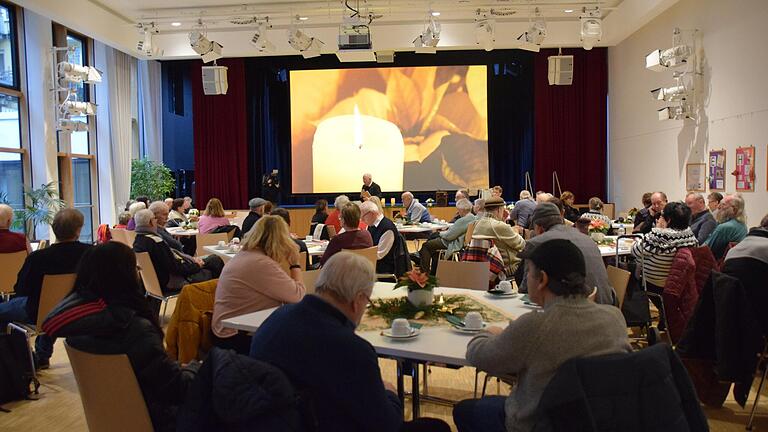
(417, 280)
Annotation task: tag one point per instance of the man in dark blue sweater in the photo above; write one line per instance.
(315, 344)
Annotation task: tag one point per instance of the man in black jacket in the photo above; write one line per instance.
(256, 206)
(369, 187)
(173, 269)
(60, 258)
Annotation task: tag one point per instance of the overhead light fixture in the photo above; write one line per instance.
(591, 27)
(568, 10)
(66, 125)
(209, 50)
(303, 18)
(260, 39)
(661, 60)
(308, 46)
(670, 94)
(679, 112)
(537, 32)
(485, 31)
(435, 13)
(73, 73)
(76, 108)
(427, 41)
(175, 24)
(145, 44)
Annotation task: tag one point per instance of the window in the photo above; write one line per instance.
(83, 201)
(78, 140)
(8, 73)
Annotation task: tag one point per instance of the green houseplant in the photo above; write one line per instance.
(40, 206)
(150, 178)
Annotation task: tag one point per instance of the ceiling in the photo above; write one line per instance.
(394, 25)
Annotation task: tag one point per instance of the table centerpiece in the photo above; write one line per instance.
(420, 287)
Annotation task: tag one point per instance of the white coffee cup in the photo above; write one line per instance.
(232, 249)
(222, 244)
(235, 240)
(473, 320)
(505, 286)
(401, 327)
(308, 238)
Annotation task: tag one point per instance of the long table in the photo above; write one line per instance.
(314, 249)
(440, 345)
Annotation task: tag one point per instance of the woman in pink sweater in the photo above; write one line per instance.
(254, 280)
(213, 217)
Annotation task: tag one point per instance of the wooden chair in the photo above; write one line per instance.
(111, 396)
(619, 279)
(467, 241)
(286, 266)
(464, 274)
(11, 264)
(151, 283)
(310, 277)
(370, 253)
(209, 240)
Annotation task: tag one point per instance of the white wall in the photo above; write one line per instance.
(646, 154)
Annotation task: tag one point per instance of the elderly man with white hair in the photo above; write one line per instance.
(523, 210)
(450, 240)
(414, 210)
(173, 269)
(10, 241)
(384, 235)
(315, 344)
(731, 226)
(369, 188)
(160, 210)
(702, 221)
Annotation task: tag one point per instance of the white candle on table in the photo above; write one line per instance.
(344, 146)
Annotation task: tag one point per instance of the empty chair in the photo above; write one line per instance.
(11, 264)
(111, 396)
(619, 279)
(463, 274)
(370, 253)
(209, 240)
(309, 277)
(151, 283)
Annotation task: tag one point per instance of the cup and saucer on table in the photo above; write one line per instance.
(471, 324)
(401, 329)
(222, 245)
(504, 288)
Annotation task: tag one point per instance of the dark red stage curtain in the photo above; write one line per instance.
(221, 139)
(570, 125)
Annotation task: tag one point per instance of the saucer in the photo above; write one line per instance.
(388, 333)
(468, 330)
(498, 293)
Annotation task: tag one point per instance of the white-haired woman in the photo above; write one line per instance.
(132, 209)
(254, 280)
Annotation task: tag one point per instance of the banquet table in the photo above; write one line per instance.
(423, 227)
(625, 247)
(181, 232)
(441, 345)
(315, 248)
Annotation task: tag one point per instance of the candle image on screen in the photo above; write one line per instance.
(346, 146)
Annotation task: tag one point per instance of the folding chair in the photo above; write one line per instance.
(111, 396)
(370, 253)
(11, 264)
(150, 281)
(463, 274)
(209, 240)
(619, 279)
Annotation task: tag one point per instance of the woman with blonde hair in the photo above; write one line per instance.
(213, 217)
(254, 280)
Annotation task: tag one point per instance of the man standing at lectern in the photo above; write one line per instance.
(370, 187)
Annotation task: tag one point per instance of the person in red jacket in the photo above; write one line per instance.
(10, 241)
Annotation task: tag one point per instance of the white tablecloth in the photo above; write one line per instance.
(423, 227)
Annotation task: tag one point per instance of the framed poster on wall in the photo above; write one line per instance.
(695, 177)
(716, 170)
(745, 169)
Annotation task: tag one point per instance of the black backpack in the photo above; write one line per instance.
(17, 379)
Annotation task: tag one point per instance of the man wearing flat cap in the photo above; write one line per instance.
(492, 227)
(256, 206)
(533, 346)
(547, 222)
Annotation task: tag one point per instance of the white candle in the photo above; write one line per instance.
(346, 146)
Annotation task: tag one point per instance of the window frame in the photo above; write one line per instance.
(14, 15)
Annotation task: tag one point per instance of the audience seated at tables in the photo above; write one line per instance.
(385, 236)
(748, 262)
(256, 207)
(370, 188)
(173, 268)
(547, 221)
(534, 345)
(321, 212)
(731, 225)
(286, 216)
(702, 221)
(334, 216)
(559, 204)
(497, 191)
(177, 217)
(523, 210)
(133, 209)
(596, 211)
(713, 201)
(352, 236)
(254, 280)
(642, 214)
(160, 210)
(571, 213)
(414, 210)
(62, 257)
(107, 313)
(543, 197)
(10, 241)
(478, 208)
(460, 194)
(504, 237)
(213, 217)
(168, 203)
(335, 368)
(122, 220)
(450, 240)
(649, 218)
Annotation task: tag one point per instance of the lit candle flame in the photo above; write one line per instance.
(358, 129)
